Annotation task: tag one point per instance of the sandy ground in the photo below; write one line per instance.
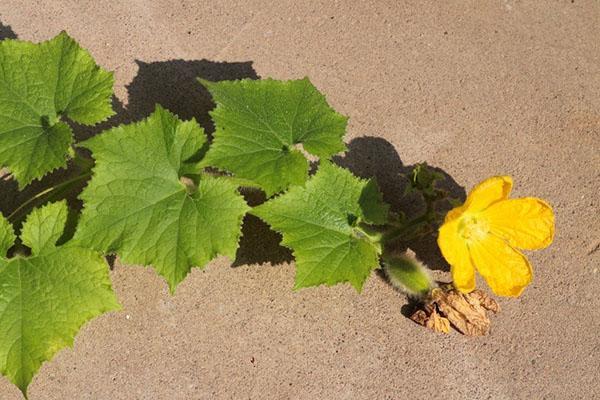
(473, 88)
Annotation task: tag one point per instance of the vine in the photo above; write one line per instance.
(157, 197)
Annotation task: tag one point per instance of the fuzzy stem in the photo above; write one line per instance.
(408, 275)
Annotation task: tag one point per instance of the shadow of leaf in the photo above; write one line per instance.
(376, 157)
(174, 85)
(6, 32)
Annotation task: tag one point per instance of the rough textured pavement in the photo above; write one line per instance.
(473, 88)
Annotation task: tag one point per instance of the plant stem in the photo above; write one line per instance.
(410, 227)
(16, 214)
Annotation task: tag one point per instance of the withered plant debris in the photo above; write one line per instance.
(466, 312)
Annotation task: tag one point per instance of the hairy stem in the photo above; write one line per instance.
(407, 274)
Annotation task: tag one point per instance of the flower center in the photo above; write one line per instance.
(473, 228)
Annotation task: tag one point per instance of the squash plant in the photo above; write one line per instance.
(160, 195)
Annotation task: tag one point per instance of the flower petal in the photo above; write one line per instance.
(488, 192)
(454, 213)
(526, 223)
(455, 251)
(505, 269)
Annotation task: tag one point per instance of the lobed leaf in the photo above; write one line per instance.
(40, 84)
(261, 123)
(139, 204)
(44, 227)
(322, 223)
(46, 298)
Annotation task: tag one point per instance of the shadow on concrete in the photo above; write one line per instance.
(6, 32)
(174, 85)
(376, 157)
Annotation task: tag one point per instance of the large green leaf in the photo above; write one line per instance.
(323, 224)
(138, 206)
(261, 124)
(39, 85)
(47, 297)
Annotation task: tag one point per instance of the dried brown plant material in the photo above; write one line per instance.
(466, 312)
(430, 318)
(437, 323)
(482, 298)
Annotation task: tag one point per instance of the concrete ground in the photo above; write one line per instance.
(473, 88)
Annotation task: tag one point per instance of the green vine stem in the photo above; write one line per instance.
(55, 190)
(80, 162)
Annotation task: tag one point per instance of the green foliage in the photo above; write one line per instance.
(137, 206)
(155, 199)
(423, 180)
(47, 297)
(40, 84)
(7, 236)
(321, 222)
(259, 125)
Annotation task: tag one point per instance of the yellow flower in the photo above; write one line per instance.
(485, 231)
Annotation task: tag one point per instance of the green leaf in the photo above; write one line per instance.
(140, 206)
(7, 236)
(374, 209)
(261, 124)
(46, 298)
(39, 85)
(321, 223)
(44, 227)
